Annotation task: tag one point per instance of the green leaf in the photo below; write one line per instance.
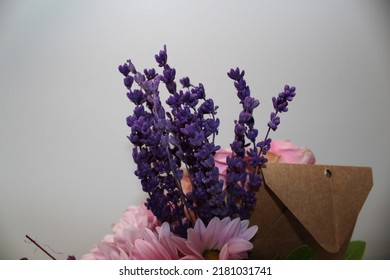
(355, 250)
(302, 253)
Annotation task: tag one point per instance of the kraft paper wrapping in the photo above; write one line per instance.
(316, 205)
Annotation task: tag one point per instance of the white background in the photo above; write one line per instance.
(66, 172)
(196, 269)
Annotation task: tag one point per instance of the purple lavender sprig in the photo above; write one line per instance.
(165, 140)
(242, 183)
(280, 104)
(157, 167)
(193, 123)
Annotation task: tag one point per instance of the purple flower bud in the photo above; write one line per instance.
(124, 69)
(151, 85)
(252, 134)
(240, 85)
(250, 104)
(139, 78)
(265, 145)
(238, 148)
(239, 129)
(274, 121)
(128, 81)
(136, 96)
(199, 91)
(245, 117)
(207, 107)
(236, 74)
(161, 57)
(185, 82)
(131, 66)
(169, 75)
(243, 94)
(150, 73)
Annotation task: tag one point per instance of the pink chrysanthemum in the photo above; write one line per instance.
(119, 246)
(139, 217)
(156, 245)
(222, 239)
(107, 249)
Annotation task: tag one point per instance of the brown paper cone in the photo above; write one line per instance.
(315, 205)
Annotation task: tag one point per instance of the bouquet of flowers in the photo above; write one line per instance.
(200, 197)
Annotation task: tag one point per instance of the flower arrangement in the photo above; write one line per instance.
(197, 208)
(200, 197)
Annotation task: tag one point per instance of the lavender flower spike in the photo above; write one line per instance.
(192, 123)
(242, 185)
(280, 105)
(164, 141)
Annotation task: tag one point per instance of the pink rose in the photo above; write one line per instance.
(286, 152)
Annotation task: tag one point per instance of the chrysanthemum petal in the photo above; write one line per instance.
(224, 253)
(211, 236)
(244, 224)
(232, 229)
(145, 250)
(235, 249)
(249, 233)
(195, 248)
(238, 245)
(180, 244)
(165, 239)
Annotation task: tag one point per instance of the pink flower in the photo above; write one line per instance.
(221, 239)
(286, 152)
(156, 245)
(107, 249)
(141, 244)
(131, 227)
(139, 217)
